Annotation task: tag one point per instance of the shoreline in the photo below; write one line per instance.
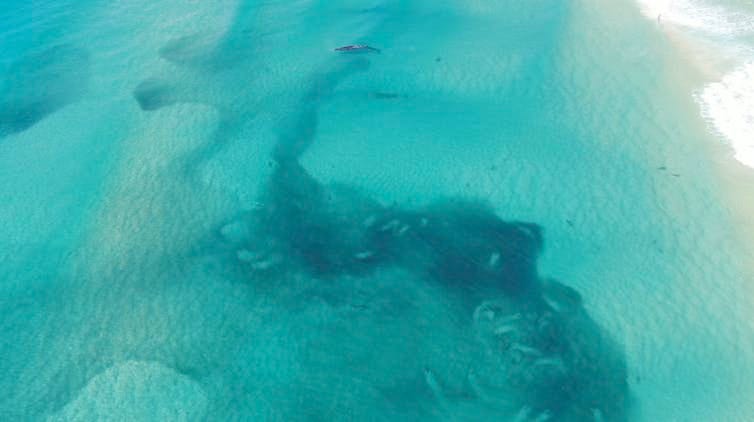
(735, 178)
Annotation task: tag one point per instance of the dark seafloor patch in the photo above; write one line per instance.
(539, 352)
(153, 94)
(40, 84)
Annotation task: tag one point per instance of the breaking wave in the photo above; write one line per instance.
(727, 104)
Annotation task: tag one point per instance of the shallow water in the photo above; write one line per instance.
(506, 213)
(722, 36)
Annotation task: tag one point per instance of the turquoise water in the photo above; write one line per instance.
(508, 213)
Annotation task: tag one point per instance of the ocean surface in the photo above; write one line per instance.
(508, 212)
(722, 33)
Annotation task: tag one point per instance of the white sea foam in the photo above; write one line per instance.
(700, 17)
(728, 104)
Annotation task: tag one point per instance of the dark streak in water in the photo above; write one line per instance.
(204, 61)
(385, 95)
(153, 94)
(41, 84)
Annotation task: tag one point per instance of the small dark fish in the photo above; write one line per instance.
(662, 168)
(385, 95)
(357, 48)
(676, 175)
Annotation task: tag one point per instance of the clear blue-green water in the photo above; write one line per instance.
(508, 213)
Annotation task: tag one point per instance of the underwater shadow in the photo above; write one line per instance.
(40, 84)
(540, 353)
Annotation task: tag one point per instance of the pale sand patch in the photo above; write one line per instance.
(147, 211)
(137, 391)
